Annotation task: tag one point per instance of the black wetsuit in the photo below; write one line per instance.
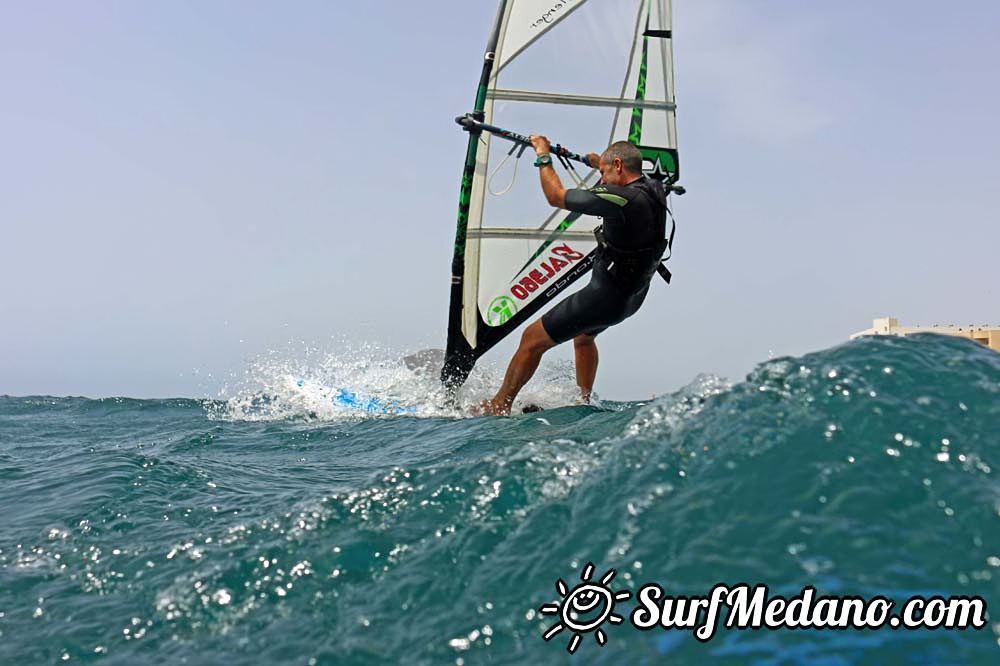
(635, 219)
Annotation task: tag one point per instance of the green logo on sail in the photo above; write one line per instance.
(501, 309)
(659, 163)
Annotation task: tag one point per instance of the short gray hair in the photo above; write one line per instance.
(626, 152)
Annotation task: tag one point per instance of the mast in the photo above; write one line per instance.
(459, 358)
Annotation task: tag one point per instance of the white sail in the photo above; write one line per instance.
(585, 73)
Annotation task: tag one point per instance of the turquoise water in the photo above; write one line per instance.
(232, 532)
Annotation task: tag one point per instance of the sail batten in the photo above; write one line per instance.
(581, 100)
(530, 234)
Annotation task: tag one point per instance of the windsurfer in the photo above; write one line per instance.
(632, 242)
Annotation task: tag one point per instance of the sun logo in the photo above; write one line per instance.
(585, 608)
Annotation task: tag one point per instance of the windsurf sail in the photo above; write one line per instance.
(584, 72)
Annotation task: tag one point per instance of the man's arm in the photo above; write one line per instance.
(601, 201)
(552, 187)
(582, 201)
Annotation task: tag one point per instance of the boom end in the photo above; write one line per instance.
(468, 122)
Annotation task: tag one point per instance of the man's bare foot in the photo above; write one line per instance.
(491, 408)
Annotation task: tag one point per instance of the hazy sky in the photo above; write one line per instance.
(185, 186)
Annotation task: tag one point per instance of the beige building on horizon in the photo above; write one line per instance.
(985, 335)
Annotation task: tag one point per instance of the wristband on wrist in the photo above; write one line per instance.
(543, 159)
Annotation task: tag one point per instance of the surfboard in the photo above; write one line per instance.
(348, 399)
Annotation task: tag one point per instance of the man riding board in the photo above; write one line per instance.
(631, 244)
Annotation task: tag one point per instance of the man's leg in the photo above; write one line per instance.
(534, 342)
(585, 350)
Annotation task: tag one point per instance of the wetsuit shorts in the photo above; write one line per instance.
(602, 303)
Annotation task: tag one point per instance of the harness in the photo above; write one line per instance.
(637, 266)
